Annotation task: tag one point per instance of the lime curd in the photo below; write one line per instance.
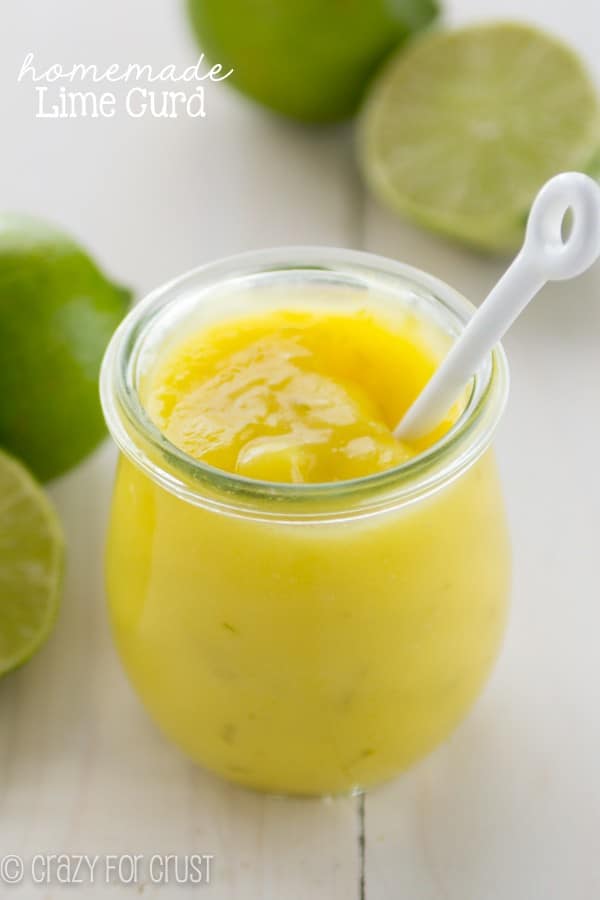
(304, 604)
(296, 396)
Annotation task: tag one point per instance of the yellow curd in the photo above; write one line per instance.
(300, 653)
(296, 396)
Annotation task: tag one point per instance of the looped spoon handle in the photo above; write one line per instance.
(545, 256)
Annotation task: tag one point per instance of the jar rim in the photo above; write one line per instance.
(195, 481)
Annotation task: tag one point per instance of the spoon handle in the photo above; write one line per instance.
(545, 256)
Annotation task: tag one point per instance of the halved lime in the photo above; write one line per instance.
(31, 564)
(461, 129)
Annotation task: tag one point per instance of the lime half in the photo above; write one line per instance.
(462, 128)
(31, 564)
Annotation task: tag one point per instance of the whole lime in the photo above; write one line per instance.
(57, 313)
(308, 59)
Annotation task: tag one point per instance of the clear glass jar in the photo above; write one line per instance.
(314, 638)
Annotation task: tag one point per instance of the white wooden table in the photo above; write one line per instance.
(509, 808)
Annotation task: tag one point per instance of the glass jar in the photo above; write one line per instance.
(313, 638)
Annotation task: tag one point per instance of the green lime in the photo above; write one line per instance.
(460, 131)
(57, 313)
(31, 564)
(308, 59)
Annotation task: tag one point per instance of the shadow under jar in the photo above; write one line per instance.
(313, 638)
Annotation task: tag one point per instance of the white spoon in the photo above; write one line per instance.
(544, 256)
